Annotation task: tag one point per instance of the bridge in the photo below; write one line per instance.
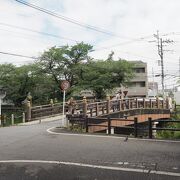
(94, 115)
(122, 112)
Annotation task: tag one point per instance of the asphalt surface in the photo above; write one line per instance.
(96, 157)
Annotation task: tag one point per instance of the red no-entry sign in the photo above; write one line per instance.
(65, 85)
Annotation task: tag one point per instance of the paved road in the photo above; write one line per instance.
(30, 152)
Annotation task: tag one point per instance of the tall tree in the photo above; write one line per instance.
(18, 81)
(102, 76)
(60, 62)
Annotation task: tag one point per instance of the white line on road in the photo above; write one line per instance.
(105, 136)
(94, 166)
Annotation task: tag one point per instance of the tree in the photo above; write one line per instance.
(60, 62)
(101, 76)
(18, 81)
(110, 56)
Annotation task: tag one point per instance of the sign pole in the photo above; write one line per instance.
(64, 99)
(0, 112)
(64, 86)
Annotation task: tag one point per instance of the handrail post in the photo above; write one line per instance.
(109, 125)
(150, 103)
(135, 127)
(108, 105)
(163, 104)
(157, 101)
(120, 104)
(91, 112)
(84, 106)
(28, 111)
(23, 117)
(144, 103)
(150, 127)
(167, 103)
(12, 119)
(52, 104)
(129, 103)
(97, 109)
(86, 124)
(137, 103)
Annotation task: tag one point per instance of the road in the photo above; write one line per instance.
(30, 152)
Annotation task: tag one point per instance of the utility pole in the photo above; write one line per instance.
(161, 53)
(160, 45)
(179, 67)
(153, 82)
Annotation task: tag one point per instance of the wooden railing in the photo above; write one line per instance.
(95, 109)
(109, 106)
(108, 124)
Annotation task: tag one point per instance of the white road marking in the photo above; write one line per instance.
(106, 136)
(94, 166)
(120, 163)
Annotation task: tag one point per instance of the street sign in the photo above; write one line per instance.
(65, 85)
(125, 93)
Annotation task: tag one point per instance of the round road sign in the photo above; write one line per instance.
(65, 85)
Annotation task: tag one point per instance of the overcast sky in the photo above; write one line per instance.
(132, 23)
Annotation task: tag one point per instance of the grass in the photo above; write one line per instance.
(164, 134)
(7, 117)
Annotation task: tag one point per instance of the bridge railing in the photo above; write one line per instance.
(46, 110)
(151, 128)
(108, 124)
(110, 106)
(92, 124)
(93, 109)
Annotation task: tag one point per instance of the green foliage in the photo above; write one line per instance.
(71, 63)
(171, 134)
(61, 62)
(18, 81)
(101, 76)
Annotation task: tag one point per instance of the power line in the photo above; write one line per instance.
(19, 34)
(123, 43)
(160, 44)
(134, 40)
(18, 55)
(62, 37)
(35, 31)
(70, 20)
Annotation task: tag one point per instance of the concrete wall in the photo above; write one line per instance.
(134, 88)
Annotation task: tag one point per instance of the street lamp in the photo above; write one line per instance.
(2, 95)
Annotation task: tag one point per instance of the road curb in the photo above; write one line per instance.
(41, 121)
(49, 130)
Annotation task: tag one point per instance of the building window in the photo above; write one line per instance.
(137, 84)
(142, 84)
(139, 70)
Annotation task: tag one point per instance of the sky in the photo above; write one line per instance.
(131, 25)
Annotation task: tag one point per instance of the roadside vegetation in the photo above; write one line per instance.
(72, 63)
(171, 134)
